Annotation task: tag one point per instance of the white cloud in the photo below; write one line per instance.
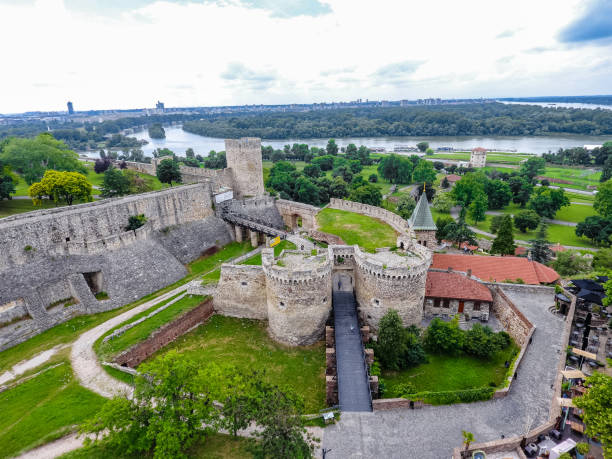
(190, 53)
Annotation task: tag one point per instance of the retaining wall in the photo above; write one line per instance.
(513, 320)
(241, 292)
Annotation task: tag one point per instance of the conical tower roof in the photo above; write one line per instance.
(421, 218)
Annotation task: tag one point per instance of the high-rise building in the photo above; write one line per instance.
(159, 105)
(70, 108)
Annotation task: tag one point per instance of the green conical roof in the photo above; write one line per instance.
(421, 218)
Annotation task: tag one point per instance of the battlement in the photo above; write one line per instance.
(296, 267)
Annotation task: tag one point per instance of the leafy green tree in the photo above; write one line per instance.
(459, 232)
(521, 189)
(367, 194)
(571, 263)
(481, 342)
(424, 172)
(159, 152)
(443, 202)
(602, 259)
(373, 178)
(396, 169)
(533, 167)
(338, 189)
(423, 146)
(504, 242)
(61, 187)
(444, 337)
(546, 201)
(137, 183)
(391, 344)
(189, 153)
(498, 193)
(351, 151)
(445, 183)
(478, 208)
(168, 171)
(441, 224)
(405, 206)
(306, 191)
(468, 438)
(363, 155)
(526, 219)
(606, 173)
(239, 398)
(135, 222)
(331, 148)
(495, 222)
(326, 162)
(115, 183)
(429, 152)
(7, 181)
(215, 160)
(32, 157)
(471, 185)
(603, 199)
(540, 247)
(312, 171)
(597, 229)
(597, 406)
(173, 399)
(282, 177)
(344, 171)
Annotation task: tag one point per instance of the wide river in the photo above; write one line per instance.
(178, 141)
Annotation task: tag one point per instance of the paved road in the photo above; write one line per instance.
(433, 432)
(554, 221)
(353, 385)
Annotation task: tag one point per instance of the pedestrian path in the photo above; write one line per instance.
(353, 384)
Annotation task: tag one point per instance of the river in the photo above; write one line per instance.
(178, 141)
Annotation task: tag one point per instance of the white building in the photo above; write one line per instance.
(478, 158)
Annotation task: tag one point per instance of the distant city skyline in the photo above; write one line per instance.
(103, 54)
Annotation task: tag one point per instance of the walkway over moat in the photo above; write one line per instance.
(353, 384)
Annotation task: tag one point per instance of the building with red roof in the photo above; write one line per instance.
(450, 293)
(497, 269)
(452, 179)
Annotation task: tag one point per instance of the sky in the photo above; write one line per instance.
(105, 54)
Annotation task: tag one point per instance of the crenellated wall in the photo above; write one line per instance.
(395, 221)
(299, 300)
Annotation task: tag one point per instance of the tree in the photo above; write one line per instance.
(444, 337)
(438, 165)
(351, 151)
(344, 171)
(331, 148)
(471, 185)
(499, 193)
(478, 208)
(441, 225)
(602, 259)
(306, 191)
(173, 399)
(540, 247)
(504, 242)
(61, 187)
(114, 183)
(429, 152)
(391, 345)
(137, 183)
(168, 171)
(32, 157)
(423, 146)
(521, 189)
(597, 406)
(424, 172)
(546, 201)
(570, 263)
(326, 162)
(373, 178)
(101, 165)
(603, 199)
(189, 153)
(481, 342)
(459, 232)
(396, 169)
(239, 400)
(468, 438)
(367, 194)
(338, 188)
(443, 202)
(7, 181)
(312, 171)
(526, 219)
(445, 183)
(532, 167)
(495, 222)
(135, 222)
(597, 229)
(405, 206)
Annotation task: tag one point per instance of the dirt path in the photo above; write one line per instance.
(25, 365)
(55, 448)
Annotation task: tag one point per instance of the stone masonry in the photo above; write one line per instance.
(244, 159)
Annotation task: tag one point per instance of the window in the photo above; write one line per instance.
(476, 305)
(425, 243)
(243, 283)
(446, 304)
(437, 303)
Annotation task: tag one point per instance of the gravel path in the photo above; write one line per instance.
(25, 365)
(55, 448)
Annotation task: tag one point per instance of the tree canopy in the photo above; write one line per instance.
(61, 187)
(168, 171)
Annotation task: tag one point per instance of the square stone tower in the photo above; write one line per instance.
(478, 158)
(244, 158)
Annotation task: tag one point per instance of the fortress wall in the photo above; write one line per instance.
(244, 159)
(145, 168)
(513, 320)
(378, 289)
(37, 234)
(260, 208)
(241, 292)
(299, 303)
(291, 209)
(216, 177)
(395, 221)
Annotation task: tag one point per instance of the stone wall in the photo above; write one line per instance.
(145, 168)
(513, 320)
(259, 209)
(299, 301)
(166, 334)
(395, 221)
(291, 210)
(468, 309)
(426, 238)
(241, 292)
(244, 159)
(330, 239)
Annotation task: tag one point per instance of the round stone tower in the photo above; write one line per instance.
(244, 158)
(391, 280)
(299, 295)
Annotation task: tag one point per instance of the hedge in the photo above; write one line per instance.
(453, 396)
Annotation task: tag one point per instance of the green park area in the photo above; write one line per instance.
(367, 232)
(246, 345)
(497, 158)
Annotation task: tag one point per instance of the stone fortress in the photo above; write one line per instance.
(59, 263)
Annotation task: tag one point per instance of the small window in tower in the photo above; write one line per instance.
(244, 283)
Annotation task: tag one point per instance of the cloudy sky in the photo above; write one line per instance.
(105, 54)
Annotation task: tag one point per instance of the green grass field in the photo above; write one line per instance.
(443, 372)
(580, 176)
(367, 232)
(43, 408)
(210, 262)
(106, 351)
(256, 259)
(498, 158)
(246, 344)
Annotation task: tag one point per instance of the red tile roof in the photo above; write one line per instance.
(453, 177)
(497, 269)
(520, 250)
(453, 285)
(479, 149)
(557, 248)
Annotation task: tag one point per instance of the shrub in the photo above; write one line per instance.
(570, 263)
(135, 222)
(444, 337)
(373, 178)
(456, 396)
(398, 347)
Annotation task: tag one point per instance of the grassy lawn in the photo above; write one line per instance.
(210, 262)
(245, 344)
(106, 351)
(575, 197)
(214, 446)
(43, 409)
(256, 259)
(19, 206)
(580, 176)
(499, 158)
(367, 232)
(98, 179)
(575, 213)
(444, 373)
